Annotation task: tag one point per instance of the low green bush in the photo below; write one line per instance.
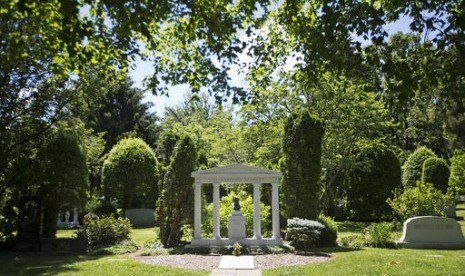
(422, 200)
(380, 235)
(375, 235)
(153, 248)
(303, 232)
(328, 235)
(353, 241)
(106, 230)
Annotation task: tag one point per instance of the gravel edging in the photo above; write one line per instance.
(190, 261)
(278, 260)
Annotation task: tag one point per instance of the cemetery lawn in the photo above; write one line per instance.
(346, 261)
(142, 235)
(11, 264)
(380, 261)
(138, 235)
(377, 261)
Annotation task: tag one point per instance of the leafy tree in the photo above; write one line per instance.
(371, 185)
(301, 187)
(118, 110)
(436, 171)
(334, 98)
(176, 199)
(64, 179)
(457, 172)
(212, 126)
(455, 124)
(129, 174)
(411, 92)
(413, 167)
(48, 45)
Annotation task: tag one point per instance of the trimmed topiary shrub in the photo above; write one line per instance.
(422, 200)
(301, 166)
(413, 167)
(303, 232)
(129, 174)
(436, 171)
(457, 172)
(328, 235)
(104, 231)
(371, 185)
(64, 177)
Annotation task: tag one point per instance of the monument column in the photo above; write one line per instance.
(257, 229)
(216, 211)
(275, 211)
(197, 210)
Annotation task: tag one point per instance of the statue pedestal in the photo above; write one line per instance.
(236, 226)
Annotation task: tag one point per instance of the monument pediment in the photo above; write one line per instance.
(236, 170)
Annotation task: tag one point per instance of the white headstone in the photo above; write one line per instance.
(431, 232)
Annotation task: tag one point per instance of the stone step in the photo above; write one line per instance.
(236, 272)
(236, 262)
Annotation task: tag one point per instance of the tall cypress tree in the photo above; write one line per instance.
(177, 197)
(301, 166)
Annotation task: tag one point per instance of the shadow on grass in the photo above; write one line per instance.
(335, 249)
(13, 263)
(352, 226)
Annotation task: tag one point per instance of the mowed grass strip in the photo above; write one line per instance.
(84, 265)
(377, 261)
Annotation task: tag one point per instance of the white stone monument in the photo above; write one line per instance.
(236, 225)
(431, 232)
(235, 174)
(75, 222)
(59, 222)
(66, 223)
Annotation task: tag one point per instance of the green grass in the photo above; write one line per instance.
(66, 233)
(460, 211)
(83, 265)
(375, 261)
(379, 261)
(138, 235)
(141, 235)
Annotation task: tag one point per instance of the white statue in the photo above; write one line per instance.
(75, 217)
(59, 222)
(67, 218)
